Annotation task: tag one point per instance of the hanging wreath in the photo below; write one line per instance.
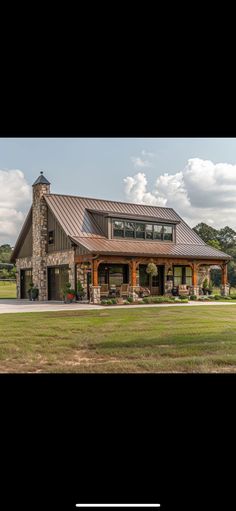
(152, 269)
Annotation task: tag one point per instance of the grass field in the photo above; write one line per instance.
(193, 339)
(7, 290)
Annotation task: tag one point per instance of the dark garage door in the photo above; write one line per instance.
(25, 280)
(58, 276)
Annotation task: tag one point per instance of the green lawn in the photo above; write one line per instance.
(7, 290)
(188, 339)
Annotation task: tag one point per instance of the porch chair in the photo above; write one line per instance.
(124, 290)
(104, 291)
(183, 290)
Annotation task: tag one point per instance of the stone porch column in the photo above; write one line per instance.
(195, 288)
(134, 289)
(95, 296)
(224, 281)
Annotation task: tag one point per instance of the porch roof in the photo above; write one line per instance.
(149, 248)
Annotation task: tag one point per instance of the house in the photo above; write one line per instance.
(106, 244)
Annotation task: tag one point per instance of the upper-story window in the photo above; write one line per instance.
(142, 230)
(51, 237)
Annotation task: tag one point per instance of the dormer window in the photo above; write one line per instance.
(142, 230)
(51, 237)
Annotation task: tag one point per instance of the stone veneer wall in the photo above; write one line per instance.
(21, 264)
(53, 259)
(60, 258)
(39, 239)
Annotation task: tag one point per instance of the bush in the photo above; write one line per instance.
(103, 302)
(109, 302)
(114, 301)
(183, 297)
(130, 299)
(217, 297)
(193, 297)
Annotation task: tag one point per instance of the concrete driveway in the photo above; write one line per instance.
(10, 306)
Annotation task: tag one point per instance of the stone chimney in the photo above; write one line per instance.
(39, 235)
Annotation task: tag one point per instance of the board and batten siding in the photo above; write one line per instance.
(102, 222)
(26, 247)
(61, 241)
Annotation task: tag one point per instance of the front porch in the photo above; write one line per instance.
(115, 276)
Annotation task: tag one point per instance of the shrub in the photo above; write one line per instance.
(103, 302)
(193, 297)
(217, 297)
(183, 298)
(109, 302)
(130, 299)
(113, 300)
(233, 296)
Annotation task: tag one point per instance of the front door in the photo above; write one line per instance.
(58, 276)
(155, 284)
(25, 280)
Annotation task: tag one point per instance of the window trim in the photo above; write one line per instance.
(144, 238)
(52, 234)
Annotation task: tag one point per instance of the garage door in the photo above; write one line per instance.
(58, 276)
(25, 280)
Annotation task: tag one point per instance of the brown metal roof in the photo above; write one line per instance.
(74, 215)
(150, 248)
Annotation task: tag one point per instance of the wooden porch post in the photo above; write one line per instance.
(224, 275)
(195, 278)
(133, 273)
(95, 273)
(195, 274)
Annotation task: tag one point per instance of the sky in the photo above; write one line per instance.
(195, 176)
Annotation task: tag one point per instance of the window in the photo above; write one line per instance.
(129, 229)
(141, 230)
(182, 275)
(118, 229)
(157, 235)
(149, 231)
(51, 237)
(167, 232)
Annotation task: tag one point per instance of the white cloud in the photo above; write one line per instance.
(201, 192)
(15, 196)
(140, 162)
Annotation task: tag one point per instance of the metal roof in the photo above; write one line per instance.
(75, 216)
(41, 180)
(150, 248)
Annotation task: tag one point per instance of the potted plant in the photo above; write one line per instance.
(152, 269)
(210, 287)
(80, 291)
(68, 293)
(205, 286)
(33, 292)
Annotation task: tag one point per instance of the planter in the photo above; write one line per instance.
(69, 298)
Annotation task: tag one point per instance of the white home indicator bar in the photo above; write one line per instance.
(119, 505)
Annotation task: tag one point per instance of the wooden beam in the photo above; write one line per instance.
(194, 274)
(224, 275)
(133, 273)
(95, 273)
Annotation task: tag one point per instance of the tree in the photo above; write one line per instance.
(227, 238)
(214, 244)
(5, 253)
(206, 232)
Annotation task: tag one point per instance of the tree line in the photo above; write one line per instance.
(7, 270)
(223, 239)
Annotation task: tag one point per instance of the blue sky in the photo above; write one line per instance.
(97, 166)
(169, 172)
